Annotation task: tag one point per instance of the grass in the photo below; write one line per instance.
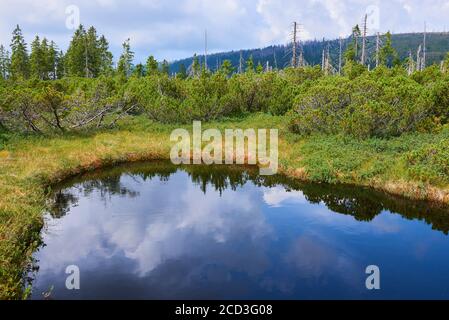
(414, 166)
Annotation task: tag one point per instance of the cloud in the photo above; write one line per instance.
(173, 29)
(178, 223)
(278, 196)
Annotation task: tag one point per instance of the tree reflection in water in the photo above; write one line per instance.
(362, 203)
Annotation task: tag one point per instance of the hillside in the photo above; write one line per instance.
(280, 55)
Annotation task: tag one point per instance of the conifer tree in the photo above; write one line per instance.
(388, 55)
(60, 65)
(152, 66)
(259, 68)
(125, 62)
(196, 67)
(250, 64)
(45, 67)
(165, 67)
(356, 33)
(226, 68)
(51, 61)
(92, 54)
(105, 57)
(88, 55)
(182, 71)
(19, 55)
(75, 58)
(36, 59)
(350, 54)
(139, 70)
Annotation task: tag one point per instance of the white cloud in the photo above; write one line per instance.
(174, 227)
(278, 196)
(173, 29)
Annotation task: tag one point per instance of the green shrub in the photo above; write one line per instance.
(373, 105)
(430, 163)
(380, 103)
(62, 105)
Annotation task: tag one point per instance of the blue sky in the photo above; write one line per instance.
(172, 29)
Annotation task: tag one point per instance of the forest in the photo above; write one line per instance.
(279, 56)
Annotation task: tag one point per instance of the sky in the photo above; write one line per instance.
(170, 29)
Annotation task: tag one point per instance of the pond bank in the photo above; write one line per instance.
(28, 166)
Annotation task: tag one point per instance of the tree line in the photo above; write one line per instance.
(88, 56)
(49, 91)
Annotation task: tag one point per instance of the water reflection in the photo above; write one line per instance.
(158, 231)
(361, 203)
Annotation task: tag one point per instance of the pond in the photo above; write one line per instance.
(157, 231)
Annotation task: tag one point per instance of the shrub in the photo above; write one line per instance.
(374, 105)
(430, 163)
(320, 108)
(63, 105)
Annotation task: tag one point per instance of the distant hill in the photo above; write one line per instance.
(280, 55)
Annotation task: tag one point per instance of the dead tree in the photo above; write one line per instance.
(205, 50)
(241, 62)
(424, 48)
(323, 61)
(419, 59)
(275, 59)
(364, 40)
(340, 56)
(377, 49)
(327, 67)
(410, 64)
(268, 68)
(294, 63)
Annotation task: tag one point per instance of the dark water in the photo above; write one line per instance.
(155, 231)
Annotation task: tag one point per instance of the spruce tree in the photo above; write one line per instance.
(196, 67)
(36, 59)
(75, 58)
(182, 71)
(45, 67)
(60, 65)
(51, 61)
(259, 68)
(88, 55)
(92, 54)
(139, 71)
(388, 55)
(165, 67)
(250, 64)
(19, 55)
(350, 54)
(226, 68)
(105, 57)
(125, 63)
(152, 66)
(356, 33)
